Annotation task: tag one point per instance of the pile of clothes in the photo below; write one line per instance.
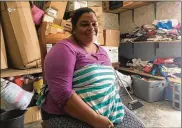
(167, 67)
(159, 30)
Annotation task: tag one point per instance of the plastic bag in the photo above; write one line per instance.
(37, 14)
(15, 96)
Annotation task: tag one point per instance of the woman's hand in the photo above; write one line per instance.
(103, 122)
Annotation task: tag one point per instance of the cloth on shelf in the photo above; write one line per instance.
(137, 63)
(159, 30)
(164, 61)
(148, 68)
(172, 70)
(178, 61)
(164, 25)
(149, 27)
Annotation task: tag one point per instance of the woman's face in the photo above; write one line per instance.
(86, 28)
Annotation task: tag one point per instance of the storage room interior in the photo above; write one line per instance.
(142, 40)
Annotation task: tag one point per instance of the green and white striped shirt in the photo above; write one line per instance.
(95, 85)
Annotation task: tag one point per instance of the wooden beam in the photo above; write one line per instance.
(15, 72)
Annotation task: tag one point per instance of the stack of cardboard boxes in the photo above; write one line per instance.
(73, 5)
(21, 41)
(108, 39)
(20, 35)
(111, 44)
(54, 13)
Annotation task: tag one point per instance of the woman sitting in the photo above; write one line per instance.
(80, 81)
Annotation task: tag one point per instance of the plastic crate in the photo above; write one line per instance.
(177, 96)
(149, 91)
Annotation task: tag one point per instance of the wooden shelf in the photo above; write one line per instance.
(174, 41)
(15, 72)
(134, 71)
(128, 6)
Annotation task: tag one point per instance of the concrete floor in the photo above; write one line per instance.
(157, 114)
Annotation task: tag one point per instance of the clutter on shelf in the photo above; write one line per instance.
(159, 30)
(169, 67)
(20, 92)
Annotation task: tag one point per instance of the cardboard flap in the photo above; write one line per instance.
(11, 6)
(3, 51)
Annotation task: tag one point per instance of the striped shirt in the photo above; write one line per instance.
(95, 85)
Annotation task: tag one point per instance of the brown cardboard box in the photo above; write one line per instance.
(100, 38)
(73, 5)
(105, 5)
(20, 35)
(94, 3)
(3, 51)
(59, 6)
(111, 38)
(32, 115)
(55, 33)
(99, 14)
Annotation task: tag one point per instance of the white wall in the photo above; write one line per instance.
(145, 15)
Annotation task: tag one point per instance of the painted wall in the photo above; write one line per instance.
(145, 15)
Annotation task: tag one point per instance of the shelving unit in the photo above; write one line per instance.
(15, 72)
(134, 71)
(173, 41)
(127, 7)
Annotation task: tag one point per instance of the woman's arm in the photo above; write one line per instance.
(77, 108)
(59, 69)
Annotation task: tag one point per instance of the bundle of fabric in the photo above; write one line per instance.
(137, 63)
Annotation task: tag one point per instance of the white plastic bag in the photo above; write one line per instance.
(15, 96)
(126, 82)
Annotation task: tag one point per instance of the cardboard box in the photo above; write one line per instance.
(32, 115)
(111, 38)
(73, 5)
(55, 33)
(94, 3)
(20, 35)
(3, 51)
(100, 39)
(122, 4)
(99, 14)
(60, 7)
(48, 18)
(112, 53)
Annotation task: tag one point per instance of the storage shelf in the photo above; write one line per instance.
(130, 70)
(15, 72)
(174, 41)
(131, 6)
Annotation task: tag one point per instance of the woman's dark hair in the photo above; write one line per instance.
(77, 13)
